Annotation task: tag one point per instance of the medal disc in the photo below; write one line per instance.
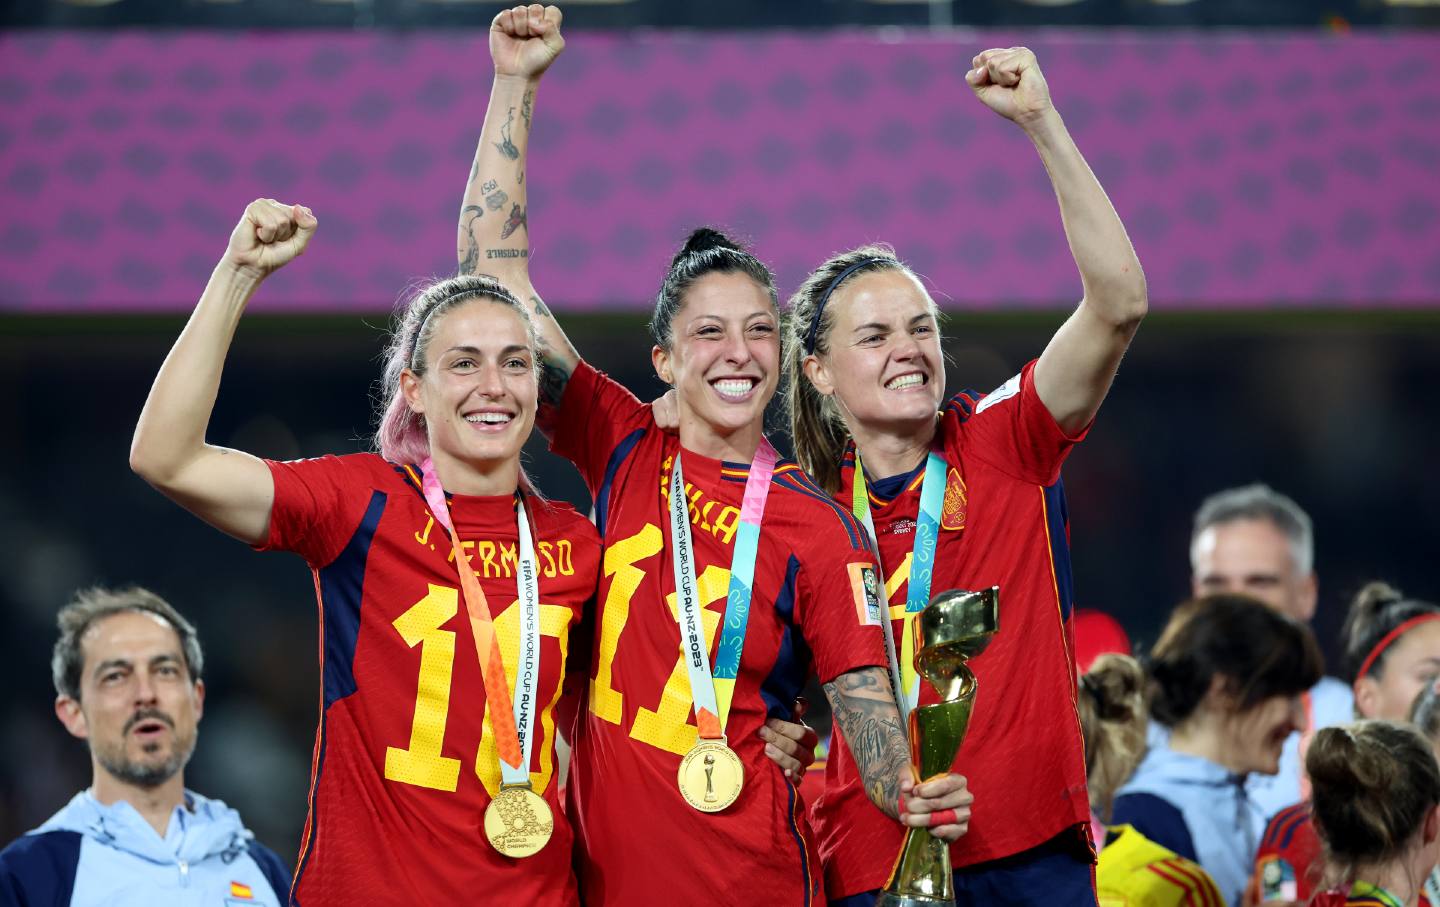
(711, 776)
(518, 821)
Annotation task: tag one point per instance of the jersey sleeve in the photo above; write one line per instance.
(1011, 429)
(597, 416)
(840, 605)
(1157, 819)
(318, 505)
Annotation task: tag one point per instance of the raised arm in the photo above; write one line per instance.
(494, 237)
(863, 703)
(229, 489)
(1075, 371)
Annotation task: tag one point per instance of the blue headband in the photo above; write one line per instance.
(820, 306)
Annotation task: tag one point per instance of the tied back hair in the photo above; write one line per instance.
(706, 251)
(1258, 651)
(1376, 610)
(1112, 722)
(817, 429)
(400, 434)
(1373, 783)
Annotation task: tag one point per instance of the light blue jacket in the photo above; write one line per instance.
(1198, 809)
(92, 854)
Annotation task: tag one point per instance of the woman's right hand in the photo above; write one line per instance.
(525, 40)
(268, 236)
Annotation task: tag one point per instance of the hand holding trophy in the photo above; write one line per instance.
(955, 627)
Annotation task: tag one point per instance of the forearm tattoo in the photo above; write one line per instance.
(470, 257)
(505, 146)
(864, 707)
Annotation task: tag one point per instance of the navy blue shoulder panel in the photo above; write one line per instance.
(1157, 819)
(1057, 516)
(798, 481)
(39, 870)
(342, 586)
(612, 466)
(274, 868)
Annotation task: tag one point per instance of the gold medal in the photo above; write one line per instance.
(518, 821)
(711, 776)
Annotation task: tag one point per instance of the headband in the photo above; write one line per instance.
(825, 297)
(500, 294)
(1390, 638)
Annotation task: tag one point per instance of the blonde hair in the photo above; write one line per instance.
(1112, 721)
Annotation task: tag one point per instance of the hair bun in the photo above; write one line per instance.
(1118, 683)
(1376, 595)
(703, 239)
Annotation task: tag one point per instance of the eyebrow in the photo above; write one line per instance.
(877, 326)
(164, 658)
(476, 351)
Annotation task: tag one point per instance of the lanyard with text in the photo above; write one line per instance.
(922, 568)
(520, 818)
(711, 775)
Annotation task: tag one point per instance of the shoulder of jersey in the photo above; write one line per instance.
(801, 491)
(1187, 876)
(563, 516)
(1283, 826)
(962, 405)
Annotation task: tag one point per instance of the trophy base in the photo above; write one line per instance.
(890, 899)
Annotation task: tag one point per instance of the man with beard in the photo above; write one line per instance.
(127, 673)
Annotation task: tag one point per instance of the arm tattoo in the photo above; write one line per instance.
(505, 146)
(474, 170)
(507, 253)
(496, 200)
(514, 222)
(864, 708)
(470, 260)
(540, 308)
(525, 107)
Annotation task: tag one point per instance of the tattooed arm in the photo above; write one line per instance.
(494, 236)
(864, 705)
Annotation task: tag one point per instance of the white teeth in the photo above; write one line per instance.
(905, 381)
(488, 418)
(734, 387)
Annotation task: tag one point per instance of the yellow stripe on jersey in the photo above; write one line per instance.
(1135, 870)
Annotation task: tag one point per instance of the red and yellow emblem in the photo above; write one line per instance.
(952, 513)
(241, 890)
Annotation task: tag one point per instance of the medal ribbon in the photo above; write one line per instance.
(1366, 890)
(712, 693)
(922, 569)
(513, 727)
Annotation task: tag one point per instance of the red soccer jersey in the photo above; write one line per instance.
(1003, 524)
(639, 841)
(405, 759)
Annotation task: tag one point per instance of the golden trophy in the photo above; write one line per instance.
(954, 627)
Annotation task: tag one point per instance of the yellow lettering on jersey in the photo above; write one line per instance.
(554, 622)
(423, 536)
(620, 559)
(669, 727)
(725, 523)
(507, 559)
(565, 554)
(421, 763)
(547, 552)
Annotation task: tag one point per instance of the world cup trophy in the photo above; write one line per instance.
(954, 627)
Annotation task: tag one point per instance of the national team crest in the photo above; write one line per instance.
(952, 514)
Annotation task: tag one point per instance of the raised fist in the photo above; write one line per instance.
(1010, 83)
(269, 235)
(525, 40)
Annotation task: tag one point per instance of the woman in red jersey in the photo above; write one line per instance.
(711, 545)
(1392, 649)
(1376, 802)
(447, 590)
(970, 498)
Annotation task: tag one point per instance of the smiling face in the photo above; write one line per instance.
(478, 391)
(138, 708)
(1255, 736)
(1408, 664)
(883, 361)
(724, 362)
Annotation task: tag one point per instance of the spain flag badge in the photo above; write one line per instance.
(241, 892)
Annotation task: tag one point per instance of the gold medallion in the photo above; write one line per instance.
(711, 776)
(518, 821)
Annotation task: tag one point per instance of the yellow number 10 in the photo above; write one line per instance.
(421, 763)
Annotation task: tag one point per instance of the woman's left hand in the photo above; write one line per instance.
(942, 804)
(1010, 83)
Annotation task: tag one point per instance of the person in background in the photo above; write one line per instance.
(1132, 870)
(1377, 808)
(1392, 650)
(1254, 541)
(127, 670)
(1226, 677)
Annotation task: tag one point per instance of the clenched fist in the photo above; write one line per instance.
(525, 40)
(1010, 83)
(269, 235)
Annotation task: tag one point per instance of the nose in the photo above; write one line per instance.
(907, 347)
(737, 350)
(145, 692)
(488, 380)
